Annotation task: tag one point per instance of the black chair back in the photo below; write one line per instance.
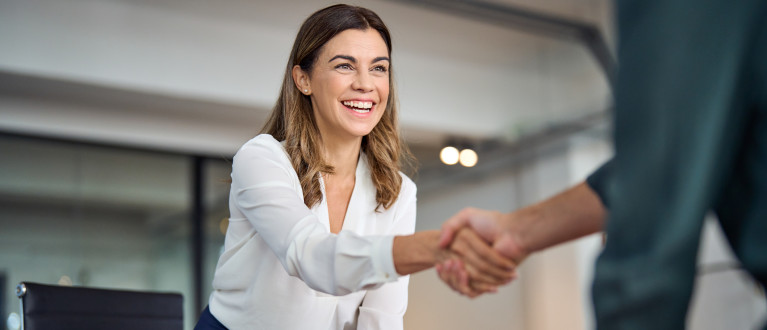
(50, 307)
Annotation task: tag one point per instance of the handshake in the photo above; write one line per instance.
(479, 251)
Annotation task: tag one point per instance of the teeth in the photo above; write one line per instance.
(358, 104)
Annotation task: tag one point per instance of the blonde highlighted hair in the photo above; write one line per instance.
(292, 119)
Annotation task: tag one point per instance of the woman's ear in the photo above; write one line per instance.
(302, 80)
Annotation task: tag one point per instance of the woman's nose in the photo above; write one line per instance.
(363, 82)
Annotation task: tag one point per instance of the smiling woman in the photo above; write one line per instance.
(321, 227)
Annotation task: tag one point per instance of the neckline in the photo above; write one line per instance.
(353, 199)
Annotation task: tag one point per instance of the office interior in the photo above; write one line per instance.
(119, 118)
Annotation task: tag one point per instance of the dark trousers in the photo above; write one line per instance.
(208, 322)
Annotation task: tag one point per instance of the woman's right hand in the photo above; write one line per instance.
(471, 265)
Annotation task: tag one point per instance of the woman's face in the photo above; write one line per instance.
(349, 84)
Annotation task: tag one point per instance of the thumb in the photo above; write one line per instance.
(451, 226)
(509, 248)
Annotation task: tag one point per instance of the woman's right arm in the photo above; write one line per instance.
(264, 189)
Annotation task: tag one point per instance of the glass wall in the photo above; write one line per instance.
(97, 216)
(216, 174)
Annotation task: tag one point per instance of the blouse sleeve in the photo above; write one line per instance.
(264, 188)
(384, 308)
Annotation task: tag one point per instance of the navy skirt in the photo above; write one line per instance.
(208, 322)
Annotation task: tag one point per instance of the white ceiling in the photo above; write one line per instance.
(594, 11)
(457, 76)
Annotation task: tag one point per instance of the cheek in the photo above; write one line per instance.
(383, 90)
(328, 87)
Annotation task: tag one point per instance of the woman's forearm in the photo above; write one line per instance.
(416, 252)
(420, 251)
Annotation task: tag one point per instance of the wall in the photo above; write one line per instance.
(233, 53)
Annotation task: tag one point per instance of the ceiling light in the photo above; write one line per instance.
(468, 157)
(449, 155)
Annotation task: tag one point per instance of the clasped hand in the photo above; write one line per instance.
(480, 253)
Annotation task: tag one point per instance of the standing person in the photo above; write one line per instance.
(690, 137)
(322, 220)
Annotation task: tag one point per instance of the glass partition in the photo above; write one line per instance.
(216, 174)
(75, 214)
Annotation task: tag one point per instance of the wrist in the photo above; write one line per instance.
(416, 252)
(521, 226)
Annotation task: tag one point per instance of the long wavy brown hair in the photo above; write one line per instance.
(292, 118)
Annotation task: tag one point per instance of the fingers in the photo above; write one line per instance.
(480, 277)
(483, 263)
(449, 273)
(454, 275)
(452, 225)
(490, 255)
(483, 287)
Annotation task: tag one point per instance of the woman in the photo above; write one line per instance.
(322, 221)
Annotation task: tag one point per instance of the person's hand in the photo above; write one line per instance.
(471, 266)
(494, 228)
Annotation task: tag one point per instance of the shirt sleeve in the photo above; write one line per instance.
(265, 191)
(598, 182)
(384, 308)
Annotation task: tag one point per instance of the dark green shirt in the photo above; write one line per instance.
(690, 137)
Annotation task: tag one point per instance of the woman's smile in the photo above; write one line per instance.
(360, 108)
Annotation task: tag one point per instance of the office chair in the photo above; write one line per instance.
(51, 307)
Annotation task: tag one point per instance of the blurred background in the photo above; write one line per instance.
(119, 118)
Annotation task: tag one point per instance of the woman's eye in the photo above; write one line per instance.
(344, 66)
(380, 68)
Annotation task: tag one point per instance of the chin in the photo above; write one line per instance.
(360, 132)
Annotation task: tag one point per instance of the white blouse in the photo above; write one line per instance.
(282, 268)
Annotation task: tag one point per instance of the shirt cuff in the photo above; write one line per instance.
(383, 259)
(599, 181)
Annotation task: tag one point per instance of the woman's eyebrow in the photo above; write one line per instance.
(345, 57)
(354, 60)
